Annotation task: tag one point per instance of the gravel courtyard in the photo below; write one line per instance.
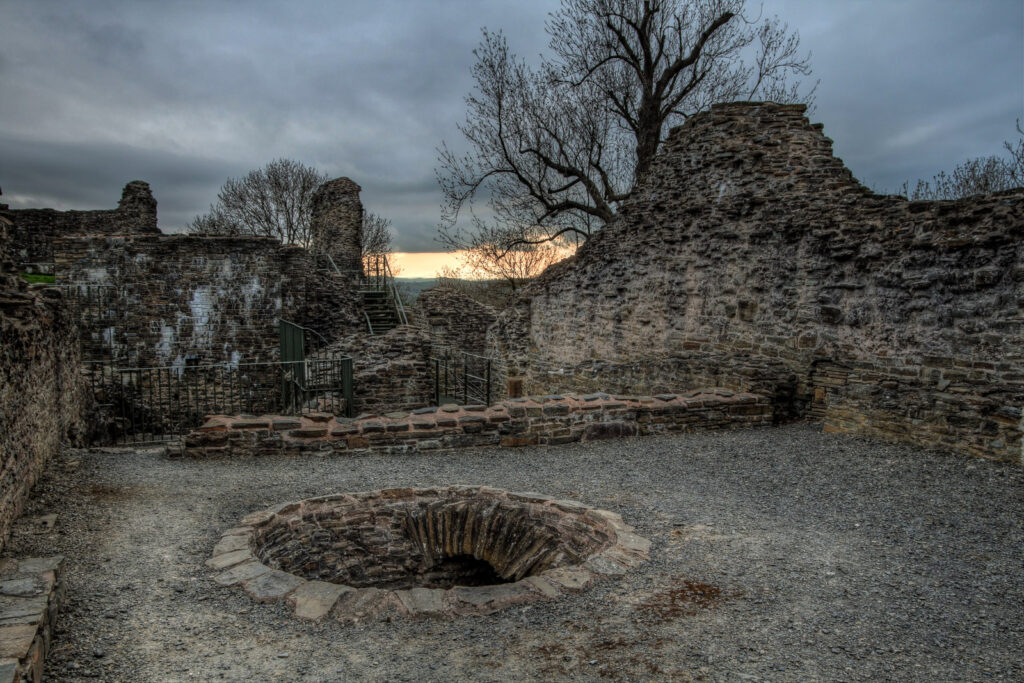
(778, 554)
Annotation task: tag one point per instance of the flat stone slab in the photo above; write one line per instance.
(422, 601)
(495, 597)
(313, 600)
(14, 610)
(16, 640)
(230, 544)
(271, 586)
(241, 572)
(229, 559)
(30, 591)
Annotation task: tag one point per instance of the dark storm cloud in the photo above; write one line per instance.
(185, 94)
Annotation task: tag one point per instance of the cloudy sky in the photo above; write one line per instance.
(185, 94)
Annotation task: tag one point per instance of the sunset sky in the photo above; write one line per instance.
(186, 94)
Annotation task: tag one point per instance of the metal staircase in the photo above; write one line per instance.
(382, 304)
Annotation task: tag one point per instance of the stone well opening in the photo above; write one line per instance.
(434, 538)
(421, 552)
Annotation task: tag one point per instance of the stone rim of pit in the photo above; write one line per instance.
(620, 551)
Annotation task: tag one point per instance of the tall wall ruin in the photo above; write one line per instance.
(166, 300)
(42, 400)
(34, 230)
(336, 227)
(751, 258)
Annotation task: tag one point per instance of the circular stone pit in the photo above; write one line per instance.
(422, 552)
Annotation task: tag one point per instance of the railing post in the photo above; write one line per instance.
(465, 380)
(346, 387)
(437, 381)
(488, 382)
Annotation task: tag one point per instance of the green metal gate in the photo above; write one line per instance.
(307, 376)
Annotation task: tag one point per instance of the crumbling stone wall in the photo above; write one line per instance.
(751, 258)
(454, 320)
(41, 396)
(164, 300)
(336, 227)
(34, 230)
(391, 371)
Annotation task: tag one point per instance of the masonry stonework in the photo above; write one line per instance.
(336, 226)
(157, 300)
(751, 258)
(42, 399)
(454, 320)
(35, 230)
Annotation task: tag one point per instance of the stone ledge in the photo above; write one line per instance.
(541, 420)
(31, 591)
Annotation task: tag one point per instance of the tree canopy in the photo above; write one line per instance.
(554, 149)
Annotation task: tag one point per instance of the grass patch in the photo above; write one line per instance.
(37, 278)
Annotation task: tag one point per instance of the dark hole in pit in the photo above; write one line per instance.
(461, 570)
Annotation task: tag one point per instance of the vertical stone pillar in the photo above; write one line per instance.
(136, 212)
(336, 227)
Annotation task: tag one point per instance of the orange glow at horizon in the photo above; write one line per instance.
(428, 264)
(424, 264)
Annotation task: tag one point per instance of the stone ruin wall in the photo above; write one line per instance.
(751, 258)
(35, 230)
(336, 225)
(165, 300)
(42, 400)
(454, 320)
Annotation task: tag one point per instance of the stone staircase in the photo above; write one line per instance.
(379, 307)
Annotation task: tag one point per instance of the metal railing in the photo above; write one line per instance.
(157, 404)
(461, 377)
(380, 278)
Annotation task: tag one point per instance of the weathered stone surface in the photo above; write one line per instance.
(510, 423)
(572, 580)
(422, 601)
(241, 572)
(494, 597)
(271, 586)
(231, 543)
(608, 430)
(27, 623)
(16, 640)
(441, 550)
(226, 294)
(228, 559)
(313, 600)
(750, 258)
(34, 230)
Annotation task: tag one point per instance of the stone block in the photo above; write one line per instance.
(272, 585)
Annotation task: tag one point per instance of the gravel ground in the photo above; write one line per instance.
(781, 554)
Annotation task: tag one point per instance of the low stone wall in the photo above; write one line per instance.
(391, 370)
(31, 591)
(515, 422)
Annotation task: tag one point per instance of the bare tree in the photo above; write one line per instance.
(274, 201)
(982, 175)
(376, 235)
(554, 150)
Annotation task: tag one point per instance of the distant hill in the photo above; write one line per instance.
(415, 285)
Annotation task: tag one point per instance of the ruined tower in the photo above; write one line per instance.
(336, 224)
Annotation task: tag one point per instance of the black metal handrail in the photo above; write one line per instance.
(153, 404)
(461, 376)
